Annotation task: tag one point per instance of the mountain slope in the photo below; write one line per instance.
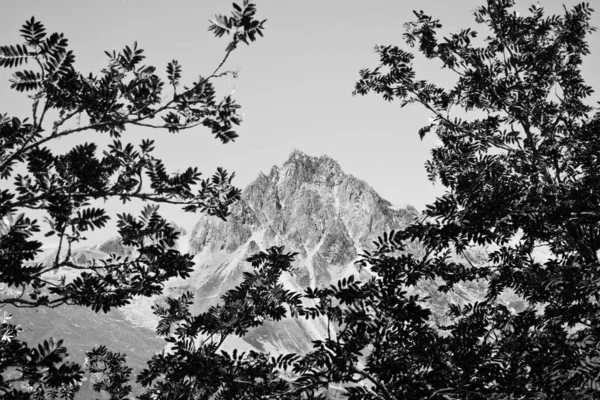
(310, 206)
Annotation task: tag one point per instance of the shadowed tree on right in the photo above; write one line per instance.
(518, 156)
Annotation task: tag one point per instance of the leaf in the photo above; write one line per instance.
(91, 218)
(59, 63)
(24, 81)
(221, 25)
(54, 44)
(174, 73)
(130, 57)
(33, 32)
(13, 56)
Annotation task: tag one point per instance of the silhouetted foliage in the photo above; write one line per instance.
(113, 374)
(195, 367)
(67, 188)
(518, 156)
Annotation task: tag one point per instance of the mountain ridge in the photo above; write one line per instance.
(310, 206)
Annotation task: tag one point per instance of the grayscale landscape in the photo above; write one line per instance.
(299, 200)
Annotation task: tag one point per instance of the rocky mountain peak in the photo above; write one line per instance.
(300, 203)
(303, 168)
(313, 169)
(310, 206)
(309, 166)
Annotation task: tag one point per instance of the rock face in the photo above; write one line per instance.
(310, 206)
(307, 201)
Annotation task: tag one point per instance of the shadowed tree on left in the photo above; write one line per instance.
(66, 188)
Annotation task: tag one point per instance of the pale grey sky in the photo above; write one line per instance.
(294, 86)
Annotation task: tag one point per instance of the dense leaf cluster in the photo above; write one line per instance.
(518, 156)
(67, 189)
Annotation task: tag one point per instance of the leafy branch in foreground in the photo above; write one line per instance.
(520, 170)
(519, 174)
(66, 189)
(35, 372)
(196, 367)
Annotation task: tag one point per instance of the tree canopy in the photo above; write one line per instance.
(67, 189)
(518, 157)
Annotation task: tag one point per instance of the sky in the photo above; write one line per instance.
(294, 85)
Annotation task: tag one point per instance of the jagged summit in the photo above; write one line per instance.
(322, 169)
(310, 206)
(299, 157)
(302, 200)
(306, 167)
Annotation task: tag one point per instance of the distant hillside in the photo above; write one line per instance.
(82, 329)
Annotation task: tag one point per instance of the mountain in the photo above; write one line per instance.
(310, 206)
